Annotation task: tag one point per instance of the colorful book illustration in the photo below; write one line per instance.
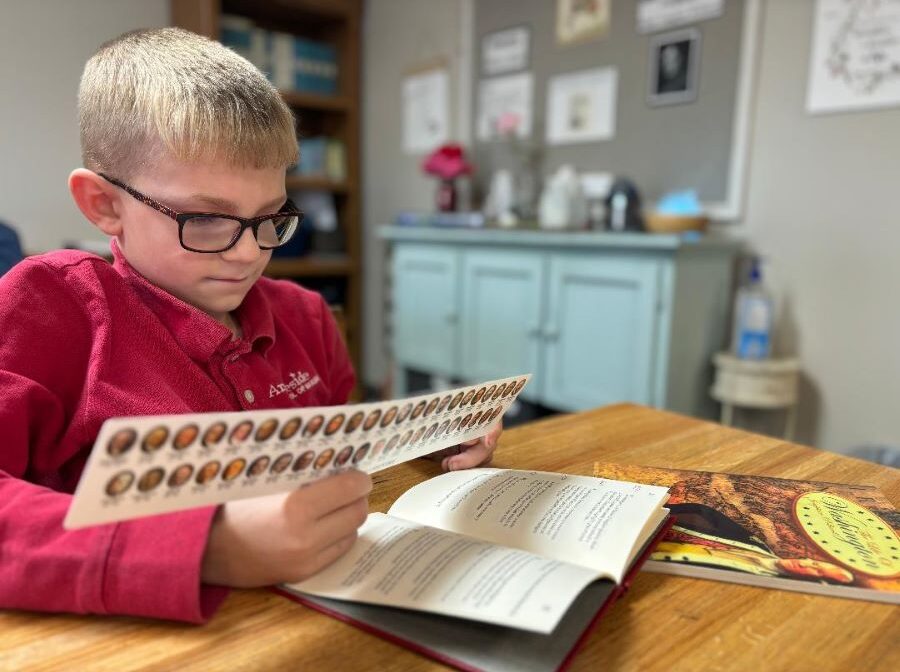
(494, 569)
(807, 536)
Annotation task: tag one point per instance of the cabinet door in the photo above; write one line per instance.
(426, 308)
(501, 315)
(601, 331)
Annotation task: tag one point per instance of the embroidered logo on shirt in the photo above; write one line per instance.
(299, 383)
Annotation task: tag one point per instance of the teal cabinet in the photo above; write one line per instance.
(597, 318)
(502, 315)
(600, 329)
(426, 308)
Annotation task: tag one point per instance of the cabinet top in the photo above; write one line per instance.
(572, 239)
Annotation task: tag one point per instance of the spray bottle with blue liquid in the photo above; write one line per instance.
(753, 317)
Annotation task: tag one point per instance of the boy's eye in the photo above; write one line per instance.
(212, 222)
(209, 233)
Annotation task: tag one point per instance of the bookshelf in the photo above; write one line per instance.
(336, 22)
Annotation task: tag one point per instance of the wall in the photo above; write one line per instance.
(821, 201)
(661, 148)
(43, 47)
(398, 35)
(822, 206)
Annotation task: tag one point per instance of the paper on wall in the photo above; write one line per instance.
(426, 104)
(855, 58)
(509, 97)
(581, 106)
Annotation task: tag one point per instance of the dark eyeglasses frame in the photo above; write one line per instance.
(287, 210)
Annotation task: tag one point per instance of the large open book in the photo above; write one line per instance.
(496, 550)
(809, 536)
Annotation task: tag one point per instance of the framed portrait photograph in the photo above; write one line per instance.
(674, 67)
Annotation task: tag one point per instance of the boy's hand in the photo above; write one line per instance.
(285, 538)
(474, 453)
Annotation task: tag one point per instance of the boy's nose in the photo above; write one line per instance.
(245, 249)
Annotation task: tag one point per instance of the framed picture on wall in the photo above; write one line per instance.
(505, 50)
(674, 61)
(581, 20)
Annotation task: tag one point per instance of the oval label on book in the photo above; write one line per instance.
(849, 533)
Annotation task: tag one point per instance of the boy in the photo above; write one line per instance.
(172, 125)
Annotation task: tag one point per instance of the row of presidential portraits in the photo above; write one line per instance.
(149, 465)
(340, 422)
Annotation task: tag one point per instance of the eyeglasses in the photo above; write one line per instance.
(211, 232)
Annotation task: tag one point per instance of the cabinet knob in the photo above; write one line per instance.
(551, 332)
(452, 318)
(534, 331)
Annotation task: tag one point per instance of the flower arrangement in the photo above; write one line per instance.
(447, 163)
(518, 184)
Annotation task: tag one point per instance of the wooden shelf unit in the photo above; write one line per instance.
(336, 22)
(312, 265)
(300, 182)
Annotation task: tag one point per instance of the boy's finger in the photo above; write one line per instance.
(336, 525)
(331, 553)
(472, 456)
(490, 438)
(324, 496)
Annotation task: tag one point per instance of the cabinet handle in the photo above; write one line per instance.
(452, 318)
(551, 332)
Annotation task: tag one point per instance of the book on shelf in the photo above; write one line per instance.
(493, 569)
(321, 156)
(291, 62)
(241, 34)
(807, 536)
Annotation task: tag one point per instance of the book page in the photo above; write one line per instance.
(593, 522)
(402, 564)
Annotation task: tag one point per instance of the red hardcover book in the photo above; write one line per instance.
(808, 536)
(493, 569)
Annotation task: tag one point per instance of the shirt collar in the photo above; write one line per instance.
(197, 332)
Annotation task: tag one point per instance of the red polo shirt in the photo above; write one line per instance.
(81, 341)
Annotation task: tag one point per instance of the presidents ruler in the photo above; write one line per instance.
(148, 465)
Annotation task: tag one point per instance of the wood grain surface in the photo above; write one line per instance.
(663, 623)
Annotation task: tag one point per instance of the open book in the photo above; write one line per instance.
(808, 536)
(510, 548)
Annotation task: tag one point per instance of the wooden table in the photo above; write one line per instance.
(664, 623)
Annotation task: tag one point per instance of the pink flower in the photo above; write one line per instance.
(508, 123)
(447, 162)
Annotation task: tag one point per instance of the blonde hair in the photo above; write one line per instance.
(152, 93)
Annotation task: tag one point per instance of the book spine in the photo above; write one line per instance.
(335, 161)
(236, 34)
(315, 67)
(282, 60)
(312, 155)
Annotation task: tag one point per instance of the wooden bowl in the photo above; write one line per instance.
(657, 223)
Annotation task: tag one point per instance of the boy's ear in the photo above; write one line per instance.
(97, 199)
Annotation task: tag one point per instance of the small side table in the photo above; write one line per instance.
(761, 384)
